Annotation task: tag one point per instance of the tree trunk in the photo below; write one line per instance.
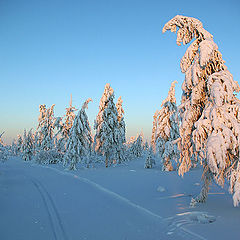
(202, 197)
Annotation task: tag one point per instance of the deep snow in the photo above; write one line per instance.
(122, 202)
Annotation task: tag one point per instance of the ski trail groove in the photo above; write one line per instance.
(53, 215)
(182, 230)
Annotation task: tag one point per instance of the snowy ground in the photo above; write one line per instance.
(125, 202)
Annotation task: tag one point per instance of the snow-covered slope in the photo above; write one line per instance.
(122, 202)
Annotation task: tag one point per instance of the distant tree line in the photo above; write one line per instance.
(70, 141)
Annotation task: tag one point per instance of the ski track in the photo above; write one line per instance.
(181, 230)
(53, 215)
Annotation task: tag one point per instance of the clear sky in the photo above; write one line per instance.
(50, 49)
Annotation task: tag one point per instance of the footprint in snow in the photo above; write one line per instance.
(188, 218)
(161, 189)
(197, 184)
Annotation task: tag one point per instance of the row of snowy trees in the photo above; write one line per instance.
(70, 140)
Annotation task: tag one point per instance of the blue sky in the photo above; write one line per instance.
(51, 49)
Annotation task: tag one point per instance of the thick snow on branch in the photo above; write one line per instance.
(182, 34)
(171, 95)
(189, 55)
(206, 50)
(85, 105)
(189, 28)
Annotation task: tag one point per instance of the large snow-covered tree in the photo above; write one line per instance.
(108, 137)
(168, 130)
(210, 111)
(79, 145)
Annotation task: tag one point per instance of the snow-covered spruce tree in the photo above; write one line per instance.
(136, 148)
(3, 150)
(121, 121)
(60, 141)
(210, 111)
(149, 160)
(122, 129)
(79, 145)
(154, 130)
(98, 141)
(108, 137)
(128, 146)
(168, 130)
(146, 146)
(28, 145)
(13, 147)
(45, 150)
(19, 144)
(131, 141)
(46, 127)
(69, 119)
